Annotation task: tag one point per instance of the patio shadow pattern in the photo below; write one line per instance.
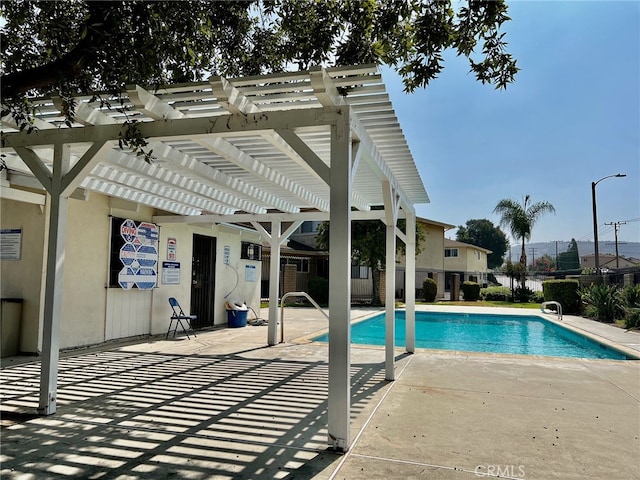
(133, 415)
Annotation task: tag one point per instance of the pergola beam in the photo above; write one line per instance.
(186, 184)
(238, 157)
(282, 138)
(228, 185)
(83, 166)
(133, 195)
(151, 104)
(268, 217)
(292, 145)
(193, 127)
(159, 189)
(377, 164)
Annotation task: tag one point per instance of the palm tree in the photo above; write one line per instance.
(519, 219)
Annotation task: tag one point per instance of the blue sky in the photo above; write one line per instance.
(571, 118)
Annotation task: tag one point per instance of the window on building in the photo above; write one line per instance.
(450, 252)
(302, 264)
(307, 227)
(251, 251)
(359, 271)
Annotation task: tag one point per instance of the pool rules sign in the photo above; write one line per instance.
(138, 255)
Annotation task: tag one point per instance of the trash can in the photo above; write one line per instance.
(10, 320)
(236, 314)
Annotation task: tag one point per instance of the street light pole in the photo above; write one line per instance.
(595, 216)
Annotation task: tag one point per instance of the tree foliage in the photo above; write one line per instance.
(543, 264)
(569, 260)
(483, 233)
(77, 47)
(520, 219)
(368, 246)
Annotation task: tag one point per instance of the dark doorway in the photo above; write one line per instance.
(203, 271)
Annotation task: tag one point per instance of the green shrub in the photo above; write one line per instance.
(565, 292)
(496, 294)
(430, 289)
(604, 302)
(631, 296)
(537, 297)
(632, 318)
(523, 294)
(471, 291)
(319, 290)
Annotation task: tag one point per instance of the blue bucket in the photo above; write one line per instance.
(237, 318)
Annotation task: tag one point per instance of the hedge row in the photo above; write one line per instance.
(565, 292)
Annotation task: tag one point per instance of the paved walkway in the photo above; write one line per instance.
(223, 405)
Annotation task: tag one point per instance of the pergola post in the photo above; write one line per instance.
(274, 283)
(391, 206)
(410, 282)
(340, 286)
(390, 307)
(276, 239)
(53, 283)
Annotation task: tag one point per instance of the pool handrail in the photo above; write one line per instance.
(558, 306)
(295, 294)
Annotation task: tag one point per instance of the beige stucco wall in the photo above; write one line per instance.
(431, 257)
(432, 253)
(182, 292)
(466, 261)
(476, 260)
(23, 278)
(456, 264)
(93, 313)
(226, 276)
(85, 272)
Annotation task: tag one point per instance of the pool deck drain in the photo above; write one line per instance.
(225, 406)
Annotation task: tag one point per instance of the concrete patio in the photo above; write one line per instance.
(224, 405)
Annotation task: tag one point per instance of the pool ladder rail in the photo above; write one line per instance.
(296, 294)
(558, 310)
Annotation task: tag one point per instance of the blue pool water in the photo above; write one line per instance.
(516, 334)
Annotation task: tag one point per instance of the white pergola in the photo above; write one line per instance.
(277, 149)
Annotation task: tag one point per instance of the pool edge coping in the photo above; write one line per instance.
(605, 342)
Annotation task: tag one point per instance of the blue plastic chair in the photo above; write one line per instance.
(179, 316)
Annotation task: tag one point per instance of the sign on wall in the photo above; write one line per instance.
(134, 254)
(10, 243)
(172, 248)
(171, 273)
(250, 273)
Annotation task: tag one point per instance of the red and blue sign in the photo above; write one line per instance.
(128, 231)
(139, 255)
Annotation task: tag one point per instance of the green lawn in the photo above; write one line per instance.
(479, 303)
(484, 303)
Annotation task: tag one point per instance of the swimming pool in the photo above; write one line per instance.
(515, 334)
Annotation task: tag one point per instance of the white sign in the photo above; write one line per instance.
(172, 248)
(10, 243)
(227, 255)
(250, 273)
(171, 273)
